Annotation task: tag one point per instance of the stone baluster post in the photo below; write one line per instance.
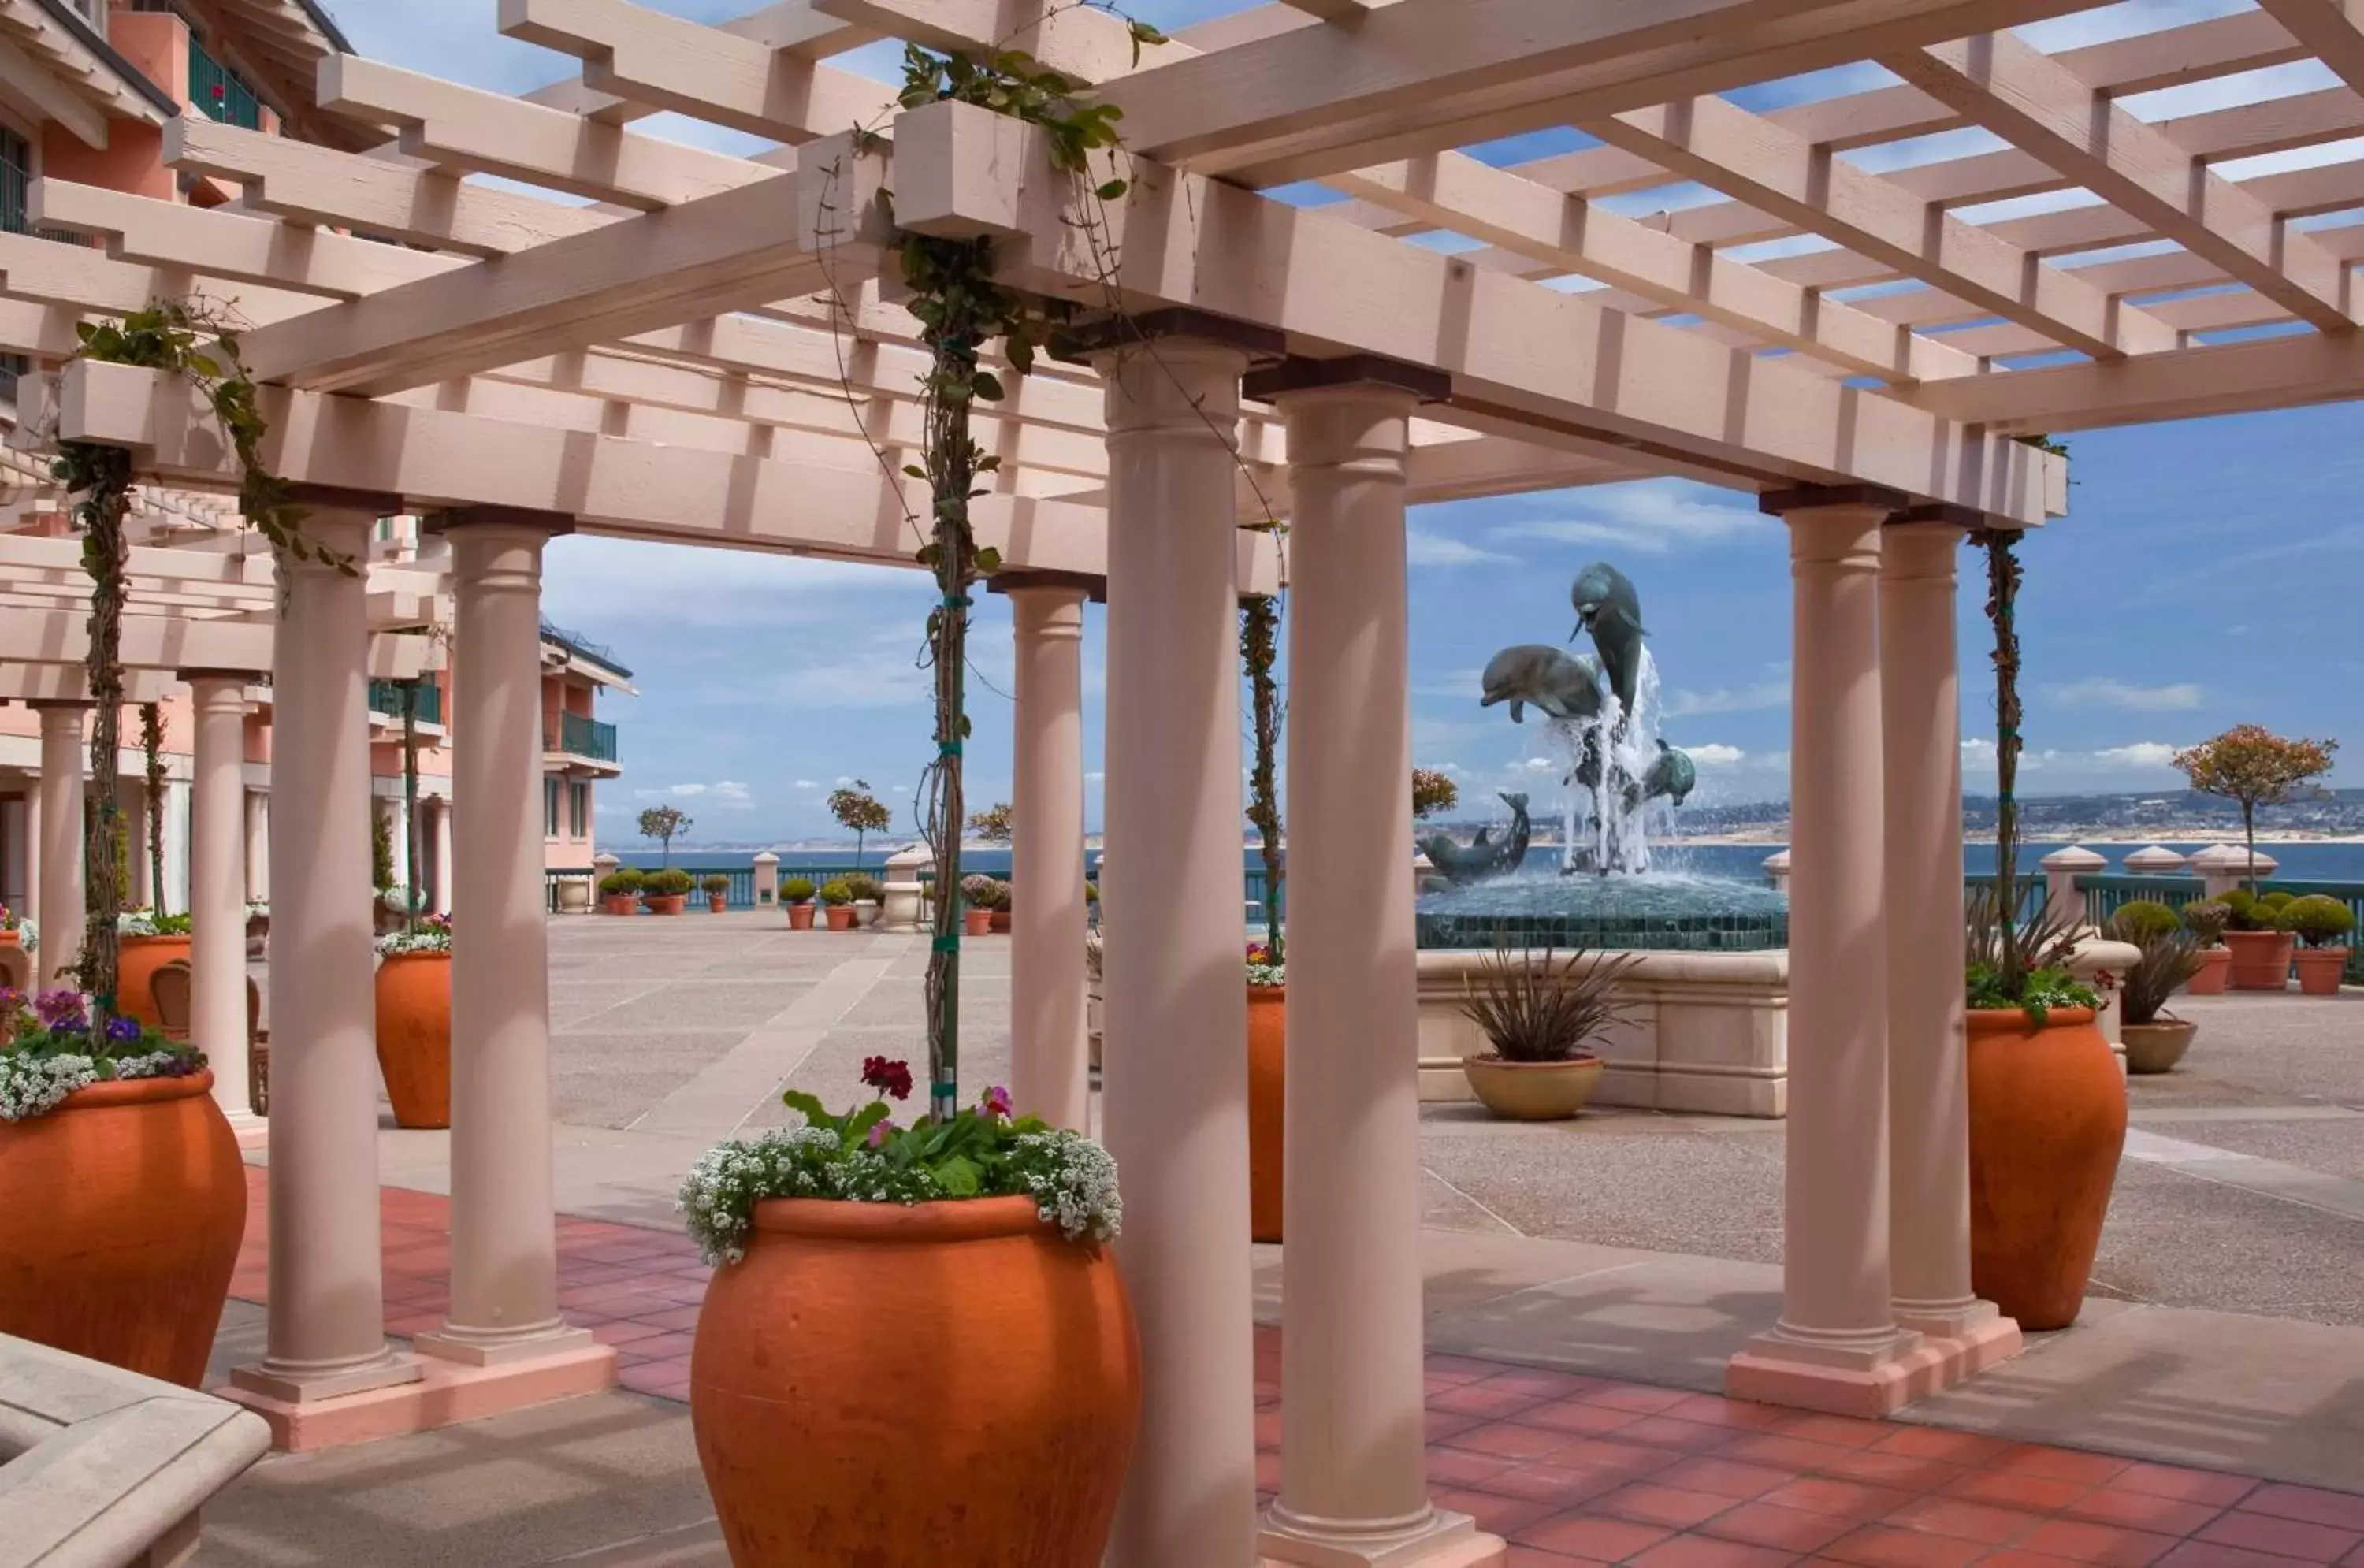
(59, 906)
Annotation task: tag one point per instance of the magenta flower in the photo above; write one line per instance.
(996, 1101)
(58, 1008)
(881, 1131)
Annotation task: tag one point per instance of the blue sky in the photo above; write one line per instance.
(2211, 574)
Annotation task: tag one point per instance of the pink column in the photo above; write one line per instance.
(1837, 1346)
(504, 1224)
(58, 904)
(1049, 1076)
(1174, 1082)
(1353, 1483)
(1928, 1093)
(328, 1306)
(218, 881)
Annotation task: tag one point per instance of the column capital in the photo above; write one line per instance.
(452, 519)
(370, 504)
(245, 677)
(1946, 513)
(1091, 587)
(1296, 375)
(1115, 334)
(59, 704)
(1819, 497)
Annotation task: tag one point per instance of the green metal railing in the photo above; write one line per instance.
(216, 91)
(2107, 892)
(579, 737)
(385, 698)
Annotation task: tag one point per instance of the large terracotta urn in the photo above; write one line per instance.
(2320, 969)
(120, 1217)
(800, 916)
(2047, 1123)
(1267, 1107)
(2261, 960)
(414, 1036)
(947, 1386)
(140, 958)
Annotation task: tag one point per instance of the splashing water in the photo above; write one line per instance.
(1612, 835)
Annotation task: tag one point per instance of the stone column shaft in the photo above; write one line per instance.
(1174, 1095)
(439, 855)
(1353, 1483)
(58, 903)
(327, 1307)
(504, 1227)
(1049, 1076)
(218, 884)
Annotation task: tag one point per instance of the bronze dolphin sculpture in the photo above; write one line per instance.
(1480, 858)
(1562, 684)
(1607, 607)
(1672, 775)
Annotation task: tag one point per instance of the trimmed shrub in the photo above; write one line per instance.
(715, 883)
(2140, 918)
(797, 890)
(622, 883)
(865, 889)
(2320, 921)
(2206, 918)
(835, 893)
(671, 883)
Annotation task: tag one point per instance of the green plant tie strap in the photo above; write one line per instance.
(948, 748)
(948, 943)
(943, 1091)
(957, 601)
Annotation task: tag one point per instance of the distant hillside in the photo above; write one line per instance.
(2168, 814)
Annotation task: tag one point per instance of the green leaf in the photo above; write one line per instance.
(989, 386)
(988, 560)
(1108, 190)
(808, 1106)
(958, 1176)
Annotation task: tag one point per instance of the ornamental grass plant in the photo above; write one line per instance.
(1535, 1007)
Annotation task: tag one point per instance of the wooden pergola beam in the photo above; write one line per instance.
(2233, 378)
(176, 642)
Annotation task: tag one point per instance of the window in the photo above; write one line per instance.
(550, 806)
(578, 811)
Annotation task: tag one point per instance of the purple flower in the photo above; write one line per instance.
(122, 1030)
(996, 1101)
(12, 1001)
(61, 1009)
(880, 1131)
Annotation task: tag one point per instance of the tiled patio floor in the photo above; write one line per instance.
(1574, 1469)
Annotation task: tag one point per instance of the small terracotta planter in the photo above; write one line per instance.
(975, 922)
(120, 1217)
(2157, 1047)
(2261, 960)
(800, 916)
(2215, 975)
(2319, 970)
(141, 958)
(665, 903)
(1532, 1091)
(2047, 1125)
(714, 902)
(840, 916)
(414, 1036)
(619, 904)
(1001, 920)
(1268, 1107)
(950, 1385)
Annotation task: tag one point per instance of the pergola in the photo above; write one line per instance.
(676, 344)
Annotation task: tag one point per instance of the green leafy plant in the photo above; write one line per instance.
(797, 890)
(432, 934)
(2206, 918)
(2036, 978)
(670, 882)
(54, 1043)
(1432, 789)
(1259, 652)
(2138, 919)
(151, 923)
(2248, 912)
(151, 751)
(382, 851)
(863, 1156)
(2250, 764)
(715, 883)
(836, 893)
(622, 883)
(2278, 900)
(1091, 893)
(865, 889)
(1535, 1007)
(665, 823)
(2168, 960)
(2319, 919)
(410, 821)
(854, 807)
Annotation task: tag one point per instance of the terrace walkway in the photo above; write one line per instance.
(1576, 1333)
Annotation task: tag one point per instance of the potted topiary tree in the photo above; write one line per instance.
(620, 890)
(2321, 923)
(718, 891)
(797, 893)
(856, 808)
(836, 902)
(994, 824)
(1539, 1013)
(2260, 942)
(664, 823)
(2047, 1106)
(666, 891)
(2155, 1039)
(2206, 918)
(2251, 764)
(978, 893)
(1432, 789)
(1001, 897)
(414, 1021)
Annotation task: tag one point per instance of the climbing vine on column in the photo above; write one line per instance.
(151, 747)
(189, 339)
(1259, 651)
(961, 308)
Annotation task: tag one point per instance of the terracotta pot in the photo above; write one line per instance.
(1001, 920)
(1267, 1107)
(414, 1036)
(1532, 1091)
(714, 902)
(950, 1385)
(120, 1215)
(2215, 973)
(800, 916)
(2319, 970)
(619, 903)
(665, 903)
(975, 922)
(2047, 1123)
(142, 956)
(2261, 960)
(840, 916)
(2157, 1046)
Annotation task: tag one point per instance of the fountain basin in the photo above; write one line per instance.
(1659, 912)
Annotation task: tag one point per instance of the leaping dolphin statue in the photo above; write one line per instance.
(1481, 860)
(1560, 685)
(1607, 607)
(1672, 775)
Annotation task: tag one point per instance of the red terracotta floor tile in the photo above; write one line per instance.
(2215, 1555)
(1544, 1383)
(1857, 1500)
(1637, 1396)
(1880, 1547)
(1706, 1551)
(1839, 1432)
(1792, 1453)
(2310, 1505)
(2184, 1485)
(1497, 1515)
(1768, 1524)
(1687, 1437)
(1937, 1443)
(1581, 1534)
(1437, 1424)
(1717, 1411)
(2037, 1493)
(1652, 1504)
(2141, 1511)
(1511, 1440)
(1724, 1477)
(1458, 1467)
(1484, 1399)
(2113, 1545)
(1563, 1486)
(2283, 1537)
(1896, 1470)
(2014, 1557)
(1581, 1415)
(2059, 1464)
(1461, 1369)
(1964, 1521)
(1537, 1557)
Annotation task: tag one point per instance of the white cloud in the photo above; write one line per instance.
(2141, 754)
(1102, 778)
(1651, 520)
(806, 783)
(732, 795)
(1436, 550)
(846, 780)
(2102, 691)
(690, 790)
(2136, 756)
(1747, 699)
(1714, 755)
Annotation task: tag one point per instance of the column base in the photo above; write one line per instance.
(1444, 1541)
(436, 1393)
(1864, 1373)
(453, 1344)
(307, 1385)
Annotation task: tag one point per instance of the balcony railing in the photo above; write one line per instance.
(385, 698)
(215, 90)
(576, 736)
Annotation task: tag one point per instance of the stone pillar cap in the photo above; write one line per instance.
(2153, 858)
(765, 857)
(2075, 857)
(2231, 857)
(1777, 861)
(606, 857)
(911, 856)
